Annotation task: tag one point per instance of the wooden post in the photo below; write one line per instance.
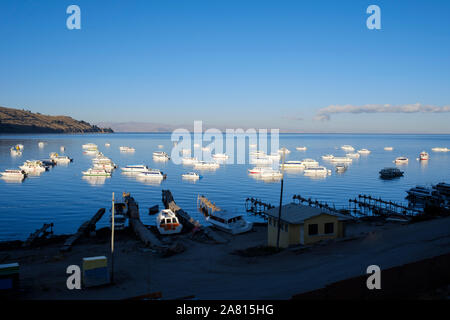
(281, 200)
(112, 239)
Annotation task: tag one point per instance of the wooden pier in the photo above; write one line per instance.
(257, 207)
(206, 206)
(317, 204)
(83, 229)
(370, 206)
(39, 233)
(146, 236)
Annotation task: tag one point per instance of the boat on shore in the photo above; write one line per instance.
(233, 223)
(390, 173)
(167, 222)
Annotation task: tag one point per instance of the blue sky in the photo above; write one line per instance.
(271, 64)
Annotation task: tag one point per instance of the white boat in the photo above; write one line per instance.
(424, 155)
(293, 164)
(33, 166)
(89, 146)
(285, 150)
(62, 159)
(301, 148)
(260, 160)
(269, 173)
(220, 156)
(401, 160)
(189, 161)
(167, 222)
(191, 176)
(364, 151)
(257, 170)
(126, 149)
(341, 160)
(257, 153)
(15, 152)
(440, 149)
(160, 155)
(92, 172)
(233, 223)
(388, 148)
(347, 148)
(160, 146)
(317, 171)
(41, 144)
(62, 148)
(107, 144)
(206, 165)
(389, 173)
(152, 174)
(13, 174)
(135, 168)
(107, 166)
(353, 155)
(19, 147)
(341, 168)
(91, 151)
(327, 157)
(310, 163)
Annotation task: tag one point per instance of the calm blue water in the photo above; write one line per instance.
(64, 197)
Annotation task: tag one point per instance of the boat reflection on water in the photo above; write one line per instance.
(95, 180)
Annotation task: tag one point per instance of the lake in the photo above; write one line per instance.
(62, 196)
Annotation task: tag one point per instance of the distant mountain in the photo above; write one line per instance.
(24, 121)
(139, 126)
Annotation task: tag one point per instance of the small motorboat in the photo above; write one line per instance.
(317, 171)
(261, 160)
(126, 149)
(285, 150)
(167, 222)
(189, 161)
(15, 152)
(256, 170)
(160, 155)
(107, 144)
(364, 151)
(89, 146)
(220, 156)
(135, 168)
(401, 160)
(419, 192)
(310, 163)
(13, 174)
(92, 172)
(347, 147)
(293, 164)
(388, 148)
(41, 144)
(301, 148)
(440, 149)
(342, 159)
(390, 173)
(191, 176)
(341, 168)
(327, 157)
(33, 166)
(62, 159)
(424, 155)
(355, 155)
(152, 174)
(62, 148)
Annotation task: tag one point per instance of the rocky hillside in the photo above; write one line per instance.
(23, 121)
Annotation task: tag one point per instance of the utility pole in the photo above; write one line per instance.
(112, 239)
(281, 198)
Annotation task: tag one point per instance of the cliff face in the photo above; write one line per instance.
(22, 121)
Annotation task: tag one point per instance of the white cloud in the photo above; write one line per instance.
(325, 113)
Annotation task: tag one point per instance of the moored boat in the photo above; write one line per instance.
(167, 222)
(126, 149)
(347, 147)
(317, 171)
(135, 168)
(191, 176)
(364, 151)
(233, 223)
(390, 173)
(328, 157)
(13, 174)
(401, 160)
(300, 148)
(424, 155)
(92, 172)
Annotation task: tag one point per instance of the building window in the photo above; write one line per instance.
(313, 229)
(329, 228)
